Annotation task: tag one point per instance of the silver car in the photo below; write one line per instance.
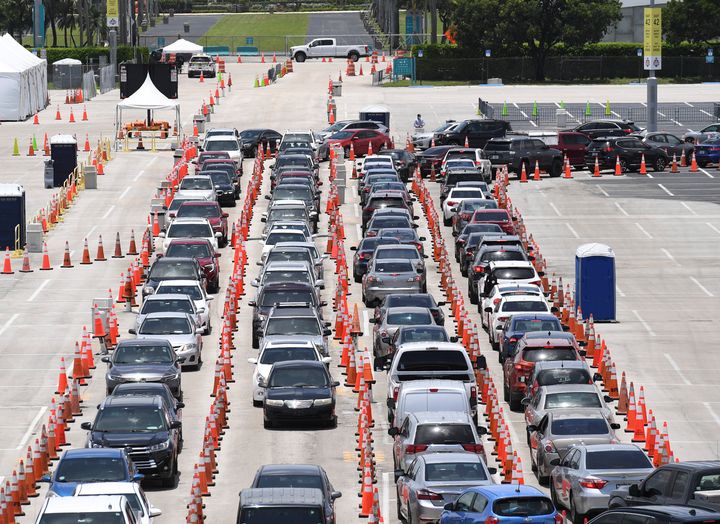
(430, 432)
(548, 398)
(435, 480)
(390, 275)
(389, 322)
(288, 272)
(408, 252)
(168, 302)
(177, 328)
(562, 429)
(143, 361)
(583, 480)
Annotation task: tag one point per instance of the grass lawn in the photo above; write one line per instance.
(268, 30)
(28, 39)
(406, 83)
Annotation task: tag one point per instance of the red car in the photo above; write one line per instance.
(574, 146)
(361, 140)
(537, 347)
(201, 250)
(501, 217)
(209, 210)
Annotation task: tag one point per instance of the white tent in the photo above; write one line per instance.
(67, 61)
(23, 81)
(149, 98)
(183, 46)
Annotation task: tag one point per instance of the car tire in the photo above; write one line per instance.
(506, 392)
(556, 169)
(268, 424)
(255, 341)
(357, 278)
(472, 296)
(702, 164)
(575, 517)
(660, 164)
(171, 480)
(353, 56)
(257, 403)
(300, 57)
(332, 423)
(446, 221)
(399, 511)
(515, 404)
(624, 167)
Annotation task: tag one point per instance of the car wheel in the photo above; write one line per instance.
(399, 510)
(556, 169)
(660, 164)
(506, 393)
(515, 404)
(354, 56)
(446, 221)
(624, 166)
(702, 164)
(333, 422)
(170, 481)
(575, 517)
(553, 496)
(357, 278)
(257, 403)
(300, 57)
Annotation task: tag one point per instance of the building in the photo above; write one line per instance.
(630, 27)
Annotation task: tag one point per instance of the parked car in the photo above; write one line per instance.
(423, 140)
(360, 140)
(99, 508)
(708, 152)
(263, 505)
(201, 64)
(629, 150)
(606, 127)
(697, 137)
(473, 132)
(132, 491)
(665, 514)
(328, 48)
(252, 139)
(177, 328)
(518, 152)
(668, 142)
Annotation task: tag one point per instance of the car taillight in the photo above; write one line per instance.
(550, 447)
(607, 148)
(466, 216)
(364, 256)
(474, 448)
(479, 269)
(495, 520)
(502, 319)
(628, 131)
(371, 233)
(373, 279)
(414, 279)
(418, 245)
(451, 203)
(473, 393)
(513, 340)
(559, 519)
(535, 283)
(366, 189)
(425, 494)
(591, 483)
(496, 301)
(415, 448)
(460, 241)
(396, 390)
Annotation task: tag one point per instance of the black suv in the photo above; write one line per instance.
(658, 515)
(252, 138)
(172, 268)
(519, 151)
(606, 127)
(629, 150)
(477, 133)
(145, 428)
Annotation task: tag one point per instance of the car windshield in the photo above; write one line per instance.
(418, 318)
(293, 326)
(572, 400)
(219, 178)
(273, 355)
(397, 252)
(523, 506)
(193, 291)
(481, 228)
(169, 305)
(455, 472)
(389, 221)
(491, 216)
(203, 183)
(284, 235)
(130, 419)
(250, 133)
(579, 426)
(528, 326)
(173, 269)
(385, 186)
(380, 203)
(290, 480)
(178, 202)
(419, 334)
(540, 354)
(444, 434)
(400, 234)
(461, 163)
(165, 326)
(199, 211)
(292, 193)
(503, 255)
(618, 459)
(558, 376)
(429, 360)
(202, 230)
(286, 276)
(221, 145)
(143, 355)
(84, 517)
(341, 135)
(297, 137)
(188, 251)
(525, 305)
(286, 213)
(514, 273)
(289, 256)
(91, 469)
(465, 193)
(282, 515)
(298, 377)
(293, 161)
(271, 297)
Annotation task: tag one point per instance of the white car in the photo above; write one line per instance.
(196, 293)
(160, 303)
(228, 143)
(455, 198)
(274, 351)
(283, 235)
(457, 163)
(130, 490)
(197, 187)
(505, 290)
(221, 131)
(379, 161)
(187, 227)
(424, 140)
(513, 305)
(102, 508)
(300, 136)
(508, 272)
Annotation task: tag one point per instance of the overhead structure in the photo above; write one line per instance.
(23, 81)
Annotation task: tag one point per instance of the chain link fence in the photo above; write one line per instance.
(107, 78)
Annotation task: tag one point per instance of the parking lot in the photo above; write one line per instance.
(663, 228)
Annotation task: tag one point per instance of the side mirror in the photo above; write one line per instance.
(252, 360)
(554, 309)
(137, 477)
(327, 332)
(218, 255)
(201, 310)
(353, 248)
(398, 473)
(225, 215)
(634, 490)
(180, 405)
(385, 339)
(175, 424)
(482, 430)
(597, 376)
(449, 506)
(255, 283)
(199, 331)
(481, 362)
(262, 383)
(525, 401)
(608, 399)
(263, 219)
(532, 428)
(267, 197)
(323, 303)
(336, 495)
(555, 462)
(86, 426)
(615, 425)
(335, 384)
(325, 360)
(499, 328)
(105, 359)
(45, 478)
(488, 310)
(161, 234)
(422, 239)
(181, 360)
(582, 352)
(252, 303)
(132, 331)
(320, 283)
(154, 512)
(171, 215)
(327, 324)
(393, 431)
(372, 320)
(454, 339)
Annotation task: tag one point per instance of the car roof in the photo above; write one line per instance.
(194, 202)
(541, 342)
(299, 364)
(133, 400)
(432, 417)
(508, 490)
(91, 504)
(223, 137)
(443, 458)
(288, 343)
(425, 384)
(523, 298)
(274, 286)
(545, 365)
(293, 311)
(282, 265)
(167, 314)
(189, 241)
(287, 203)
(569, 388)
(550, 335)
(619, 446)
(104, 488)
(394, 260)
(93, 453)
(137, 386)
(142, 342)
(442, 346)
(573, 413)
(407, 309)
(285, 469)
(281, 496)
(189, 220)
(502, 264)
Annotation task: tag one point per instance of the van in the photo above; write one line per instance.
(291, 505)
(426, 395)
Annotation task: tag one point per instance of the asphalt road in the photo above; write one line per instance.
(346, 26)
(666, 260)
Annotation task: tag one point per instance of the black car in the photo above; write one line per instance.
(279, 293)
(299, 390)
(658, 515)
(172, 268)
(425, 300)
(481, 261)
(251, 138)
(517, 152)
(297, 192)
(294, 161)
(224, 188)
(606, 127)
(382, 200)
(629, 150)
(475, 132)
(145, 428)
(299, 476)
(364, 252)
(405, 162)
(468, 230)
(229, 167)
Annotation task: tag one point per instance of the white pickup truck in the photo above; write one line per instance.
(326, 48)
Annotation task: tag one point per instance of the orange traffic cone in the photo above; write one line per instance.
(674, 168)
(45, 265)
(7, 265)
(62, 378)
(86, 260)
(100, 255)
(87, 143)
(57, 114)
(596, 172)
(84, 115)
(72, 116)
(36, 120)
(467, 144)
(26, 262)
(693, 164)
(568, 170)
(618, 166)
(118, 247)
(202, 77)
(67, 263)
(31, 151)
(683, 159)
(643, 165)
(536, 173)
(523, 174)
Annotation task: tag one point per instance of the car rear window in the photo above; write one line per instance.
(409, 300)
(410, 318)
(514, 273)
(386, 202)
(398, 266)
(474, 205)
(87, 517)
(455, 472)
(452, 177)
(188, 250)
(290, 480)
(497, 145)
(571, 399)
(617, 459)
(540, 354)
(430, 360)
(166, 306)
(440, 401)
(389, 221)
(444, 434)
(465, 193)
(579, 426)
(523, 506)
(221, 145)
(271, 297)
(455, 155)
(552, 377)
(409, 253)
(418, 334)
(503, 255)
(491, 216)
(525, 305)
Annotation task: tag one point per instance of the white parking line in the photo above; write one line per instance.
(110, 210)
(667, 254)
(642, 229)
(712, 412)
(138, 175)
(665, 189)
(642, 321)
(557, 211)
(366, 321)
(122, 195)
(31, 427)
(603, 191)
(708, 224)
(92, 229)
(688, 208)
(575, 234)
(617, 205)
(674, 365)
(9, 323)
(703, 288)
(706, 173)
(386, 493)
(619, 291)
(38, 290)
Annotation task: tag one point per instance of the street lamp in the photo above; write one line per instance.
(488, 53)
(640, 54)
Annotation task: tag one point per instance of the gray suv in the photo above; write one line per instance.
(519, 151)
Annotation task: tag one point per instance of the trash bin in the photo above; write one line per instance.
(12, 216)
(63, 152)
(337, 89)
(90, 176)
(561, 118)
(199, 122)
(186, 27)
(595, 281)
(34, 238)
(49, 174)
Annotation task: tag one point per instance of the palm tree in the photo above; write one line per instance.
(68, 20)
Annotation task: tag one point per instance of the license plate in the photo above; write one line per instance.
(619, 484)
(494, 157)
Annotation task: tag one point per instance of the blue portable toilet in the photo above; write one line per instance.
(595, 281)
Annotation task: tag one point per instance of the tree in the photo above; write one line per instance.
(15, 17)
(691, 20)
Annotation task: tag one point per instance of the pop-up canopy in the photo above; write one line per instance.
(183, 46)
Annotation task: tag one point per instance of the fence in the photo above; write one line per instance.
(88, 85)
(107, 78)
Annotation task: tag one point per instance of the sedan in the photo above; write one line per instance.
(583, 480)
(561, 396)
(201, 250)
(167, 302)
(696, 137)
(197, 188)
(463, 212)
(410, 253)
(455, 198)
(190, 228)
(435, 480)
(198, 295)
(143, 361)
(364, 252)
(426, 300)
(386, 326)
(708, 152)
(509, 306)
(390, 275)
(506, 503)
(361, 140)
(299, 390)
(672, 145)
(177, 328)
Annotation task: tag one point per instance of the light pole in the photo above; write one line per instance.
(488, 53)
(652, 94)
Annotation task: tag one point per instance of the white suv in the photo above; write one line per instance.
(113, 509)
(230, 144)
(186, 227)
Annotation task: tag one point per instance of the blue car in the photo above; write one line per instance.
(708, 152)
(501, 504)
(90, 465)
(517, 325)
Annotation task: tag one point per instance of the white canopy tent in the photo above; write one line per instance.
(23, 88)
(149, 98)
(183, 46)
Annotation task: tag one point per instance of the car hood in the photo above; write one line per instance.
(297, 393)
(64, 489)
(119, 440)
(318, 341)
(142, 372)
(204, 193)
